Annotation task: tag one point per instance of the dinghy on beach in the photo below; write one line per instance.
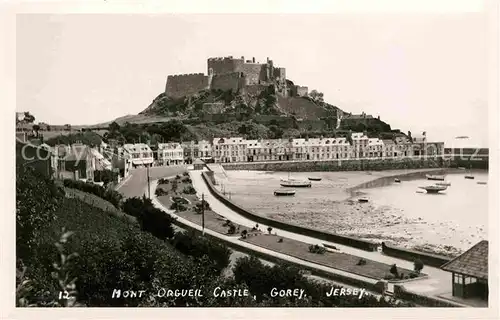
(284, 192)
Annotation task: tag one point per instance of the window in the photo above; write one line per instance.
(458, 279)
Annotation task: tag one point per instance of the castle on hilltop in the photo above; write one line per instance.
(238, 75)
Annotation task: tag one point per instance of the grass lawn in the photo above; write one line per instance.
(341, 261)
(213, 221)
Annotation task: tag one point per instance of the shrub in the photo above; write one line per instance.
(198, 207)
(134, 206)
(361, 262)
(418, 265)
(269, 229)
(178, 207)
(163, 181)
(186, 174)
(413, 274)
(196, 246)
(180, 200)
(244, 234)
(280, 240)
(317, 249)
(37, 198)
(187, 180)
(177, 177)
(174, 186)
(232, 229)
(160, 192)
(189, 190)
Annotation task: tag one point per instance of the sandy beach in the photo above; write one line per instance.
(331, 205)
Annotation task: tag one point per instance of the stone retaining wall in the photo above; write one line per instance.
(338, 165)
(429, 259)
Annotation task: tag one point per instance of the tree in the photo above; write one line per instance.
(114, 127)
(394, 270)
(269, 229)
(28, 118)
(418, 265)
(36, 128)
(316, 96)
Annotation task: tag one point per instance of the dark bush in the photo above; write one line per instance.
(189, 190)
(187, 180)
(394, 270)
(177, 177)
(418, 265)
(186, 174)
(361, 262)
(196, 246)
(317, 249)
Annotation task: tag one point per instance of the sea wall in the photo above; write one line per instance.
(338, 165)
(432, 260)
(401, 293)
(348, 241)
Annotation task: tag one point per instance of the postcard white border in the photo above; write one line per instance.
(8, 11)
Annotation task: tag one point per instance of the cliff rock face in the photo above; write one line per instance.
(257, 103)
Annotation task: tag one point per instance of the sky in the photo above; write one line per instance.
(418, 72)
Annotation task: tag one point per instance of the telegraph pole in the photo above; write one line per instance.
(203, 214)
(149, 187)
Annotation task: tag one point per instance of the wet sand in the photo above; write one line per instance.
(331, 205)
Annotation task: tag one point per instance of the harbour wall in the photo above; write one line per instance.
(338, 165)
(344, 240)
(429, 259)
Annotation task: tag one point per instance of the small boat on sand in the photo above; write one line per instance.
(481, 182)
(434, 177)
(314, 179)
(362, 200)
(295, 184)
(397, 180)
(469, 177)
(433, 189)
(443, 184)
(284, 192)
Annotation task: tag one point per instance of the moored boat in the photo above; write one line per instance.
(434, 177)
(314, 179)
(481, 182)
(362, 200)
(284, 192)
(469, 177)
(434, 189)
(397, 180)
(295, 183)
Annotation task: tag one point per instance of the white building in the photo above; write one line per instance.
(170, 153)
(375, 148)
(229, 149)
(140, 153)
(359, 144)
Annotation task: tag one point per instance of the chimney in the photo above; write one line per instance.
(243, 58)
(253, 59)
(267, 59)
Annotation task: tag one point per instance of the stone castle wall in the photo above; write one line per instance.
(186, 84)
(221, 74)
(228, 81)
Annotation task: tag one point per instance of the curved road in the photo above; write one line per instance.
(439, 281)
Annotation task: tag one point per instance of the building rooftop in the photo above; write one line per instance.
(473, 262)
